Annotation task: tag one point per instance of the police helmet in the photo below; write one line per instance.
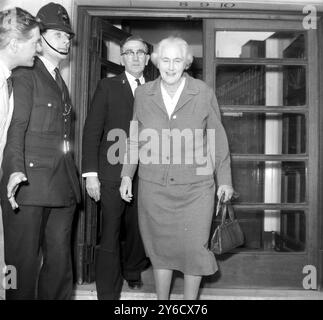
(54, 16)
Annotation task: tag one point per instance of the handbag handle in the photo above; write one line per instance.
(230, 210)
(224, 208)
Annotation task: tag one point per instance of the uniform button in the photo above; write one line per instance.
(174, 117)
(171, 179)
(31, 164)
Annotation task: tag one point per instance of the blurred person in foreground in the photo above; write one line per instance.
(19, 42)
(39, 175)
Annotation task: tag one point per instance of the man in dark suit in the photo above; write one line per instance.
(40, 177)
(112, 109)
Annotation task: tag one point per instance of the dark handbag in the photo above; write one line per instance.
(228, 235)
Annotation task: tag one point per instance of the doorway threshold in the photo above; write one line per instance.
(88, 292)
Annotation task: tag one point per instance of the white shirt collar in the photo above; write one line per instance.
(131, 78)
(132, 81)
(177, 93)
(5, 70)
(49, 66)
(171, 102)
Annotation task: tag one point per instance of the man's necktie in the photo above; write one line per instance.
(138, 82)
(67, 108)
(9, 83)
(61, 84)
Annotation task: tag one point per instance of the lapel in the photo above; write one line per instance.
(189, 91)
(51, 82)
(47, 77)
(155, 93)
(126, 89)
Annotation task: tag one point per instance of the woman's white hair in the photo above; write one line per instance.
(172, 40)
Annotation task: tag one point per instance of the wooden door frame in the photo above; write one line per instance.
(320, 159)
(81, 96)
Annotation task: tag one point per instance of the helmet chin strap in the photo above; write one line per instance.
(60, 52)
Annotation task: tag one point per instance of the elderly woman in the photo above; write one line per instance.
(178, 140)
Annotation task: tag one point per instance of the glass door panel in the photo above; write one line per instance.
(269, 181)
(255, 44)
(247, 133)
(270, 85)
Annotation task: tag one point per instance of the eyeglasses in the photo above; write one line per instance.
(130, 53)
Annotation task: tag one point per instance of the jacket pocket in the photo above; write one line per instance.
(45, 115)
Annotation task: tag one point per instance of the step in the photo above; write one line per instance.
(88, 292)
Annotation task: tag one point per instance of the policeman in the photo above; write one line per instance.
(40, 177)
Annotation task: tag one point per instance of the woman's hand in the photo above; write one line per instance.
(126, 189)
(227, 191)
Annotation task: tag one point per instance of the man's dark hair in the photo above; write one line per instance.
(133, 38)
(16, 23)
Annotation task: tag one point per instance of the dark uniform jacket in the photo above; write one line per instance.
(110, 113)
(36, 139)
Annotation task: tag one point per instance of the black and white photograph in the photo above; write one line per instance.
(161, 150)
